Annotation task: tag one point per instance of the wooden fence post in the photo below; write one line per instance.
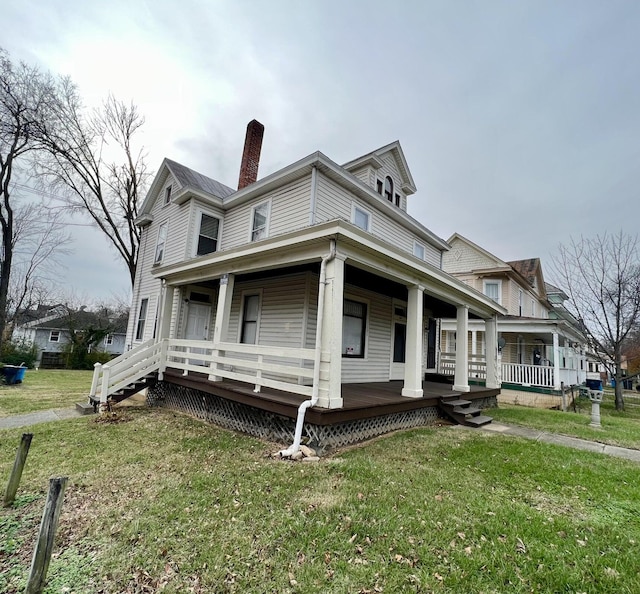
(18, 465)
(48, 526)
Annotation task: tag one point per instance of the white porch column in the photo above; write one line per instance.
(461, 378)
(556, 362)
(223, 311)
(491, 344)
(166, 308)
(330, 388)
(415, 337)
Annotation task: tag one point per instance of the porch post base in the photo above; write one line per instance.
(461, 388)
(412, 393)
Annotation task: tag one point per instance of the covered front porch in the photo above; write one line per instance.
(534, 353)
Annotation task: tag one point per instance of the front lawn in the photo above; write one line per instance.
(45, 389)
(161, 501)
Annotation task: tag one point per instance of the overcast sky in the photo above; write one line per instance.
(520, 120)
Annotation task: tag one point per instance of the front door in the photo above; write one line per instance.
(198, 319)
(398, 341)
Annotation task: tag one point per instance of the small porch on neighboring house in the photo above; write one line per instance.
(534, 354)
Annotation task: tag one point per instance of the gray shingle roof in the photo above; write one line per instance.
(188, 178)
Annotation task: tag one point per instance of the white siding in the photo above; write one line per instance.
(289, 211)
(463, 258)
(376, 363)
(335, 202)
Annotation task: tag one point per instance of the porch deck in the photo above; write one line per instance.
(360, 401)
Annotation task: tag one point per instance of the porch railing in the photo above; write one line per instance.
(280, 368)
(477, 365)
(528, 375)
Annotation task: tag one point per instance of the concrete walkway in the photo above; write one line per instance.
(59, 414)
(570, 442)
(43, 416)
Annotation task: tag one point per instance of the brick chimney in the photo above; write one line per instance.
(251, 154)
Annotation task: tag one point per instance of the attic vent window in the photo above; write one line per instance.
(167, 195)
(397, 199)
(379, 186)
(388, 189)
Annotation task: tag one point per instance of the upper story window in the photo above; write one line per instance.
(520, 301)
(379, 186)
(260, 221)
(208, 234)
(361, 218)
(418, 250)
(161, 243)
(108, 339)
(167, 195)
(388, 188)
(493, 289)
(142, 316)
(54, 336)
(398, 200)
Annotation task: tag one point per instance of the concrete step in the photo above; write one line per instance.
(85, 408)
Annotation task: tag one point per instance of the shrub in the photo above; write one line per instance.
(17, 352)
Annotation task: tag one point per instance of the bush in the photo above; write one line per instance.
(17, 352)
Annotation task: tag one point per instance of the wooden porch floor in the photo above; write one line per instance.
(360, 401)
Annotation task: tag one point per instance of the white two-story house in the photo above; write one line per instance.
(311, 284)
(540, 348)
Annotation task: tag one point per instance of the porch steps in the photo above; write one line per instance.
(146, 382)
(462, 411)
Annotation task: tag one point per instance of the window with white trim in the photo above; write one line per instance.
(418, 250)
(208, 234)
(54, 336)
(260, 221)
(250, 316)
(161, 243)
(108, 339)
(492, 289)
(142, 316)
(388, 188)
(354, 326)
(361, 218)
(167, 195)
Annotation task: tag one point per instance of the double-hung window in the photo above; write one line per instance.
(54, 336)
(260, 221)
(142, 316)
(208, 235)
(354, 325)
(108, 339)
(418, 250)
(361, 218)
(492, 289)
(161, 243)
(250, 314)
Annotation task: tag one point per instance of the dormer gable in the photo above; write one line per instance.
(531, 270)
(386, 171)
(175, 183)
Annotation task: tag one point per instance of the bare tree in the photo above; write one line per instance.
(27, 98)
(93, 160)
(39, 241)
(601, 275)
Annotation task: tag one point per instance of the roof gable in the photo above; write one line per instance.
(470, 256)
(187, 180)
(374, 158)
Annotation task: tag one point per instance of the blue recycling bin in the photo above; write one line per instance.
(594, 384)
(13, 374)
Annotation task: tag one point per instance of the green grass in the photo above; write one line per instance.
(162, 501)
(43, 390)
(618, 428)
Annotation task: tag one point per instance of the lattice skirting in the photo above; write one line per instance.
(269, 426)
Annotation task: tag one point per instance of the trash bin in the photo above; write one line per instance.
(13, 374)
(594, 384)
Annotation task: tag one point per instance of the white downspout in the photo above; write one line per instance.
(302, 409)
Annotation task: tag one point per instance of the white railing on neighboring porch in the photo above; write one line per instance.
(477, 365)
(528, 375)
(280, 368)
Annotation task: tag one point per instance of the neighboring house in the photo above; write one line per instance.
(541, 343)
(311, 283)
(49, 329)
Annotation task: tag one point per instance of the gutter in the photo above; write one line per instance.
(302, 409)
